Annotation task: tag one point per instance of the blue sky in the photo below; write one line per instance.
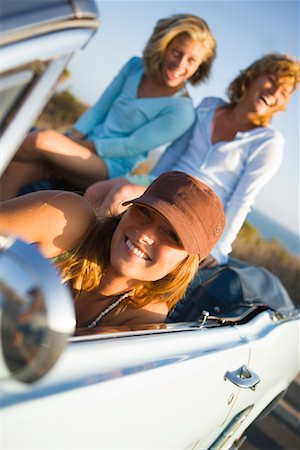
(245, 30)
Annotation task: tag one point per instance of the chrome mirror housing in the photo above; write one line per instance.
(36, 312)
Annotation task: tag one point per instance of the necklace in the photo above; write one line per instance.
(107, 310)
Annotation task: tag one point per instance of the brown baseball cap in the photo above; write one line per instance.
(190, 206)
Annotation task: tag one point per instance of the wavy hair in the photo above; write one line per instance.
(83, 267)
(279, 65)
(168, 29)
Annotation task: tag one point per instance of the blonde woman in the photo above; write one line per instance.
(146, 106)
(127, 269)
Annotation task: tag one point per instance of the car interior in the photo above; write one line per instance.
(232, 293)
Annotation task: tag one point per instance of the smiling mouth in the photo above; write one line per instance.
(174, 74)
(267, 101)
(135, 250)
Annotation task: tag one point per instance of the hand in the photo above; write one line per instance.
(88, 144)
(99, 193)
(122, 192)
(208, 263)
(106, 196)
(74, 135)
(78, 137)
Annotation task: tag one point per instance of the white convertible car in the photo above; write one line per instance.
(223, 358)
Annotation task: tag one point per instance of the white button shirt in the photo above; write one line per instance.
(235, 170)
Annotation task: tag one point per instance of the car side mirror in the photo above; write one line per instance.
(36, 312)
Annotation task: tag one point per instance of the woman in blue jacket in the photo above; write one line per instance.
(146, 106)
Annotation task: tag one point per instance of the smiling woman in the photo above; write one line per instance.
(264, 88)
(146, 106)
(125, 269)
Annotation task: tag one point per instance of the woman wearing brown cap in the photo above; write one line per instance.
(124, 269)
(231, 146)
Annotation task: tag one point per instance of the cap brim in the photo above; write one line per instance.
(168, 212)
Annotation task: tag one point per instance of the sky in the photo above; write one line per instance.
(244, 30)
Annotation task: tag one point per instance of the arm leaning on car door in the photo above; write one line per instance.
(55, 221)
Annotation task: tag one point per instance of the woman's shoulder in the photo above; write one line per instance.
(266, 145)
(67, 211)
(177, 108)
(78, 212)
(181, 113)
(269, 134)
(132, 68)
(54, 220)
(67, 201)
(182, 104)
(179, 104)
(208, 103)
(134, 64)
(274, 133)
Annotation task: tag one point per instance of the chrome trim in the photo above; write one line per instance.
(51, 27)
(43, 48)
(243, 377)
(231, 428)
(16, 79)
(14, 134)
(104, 333)
(37, 312)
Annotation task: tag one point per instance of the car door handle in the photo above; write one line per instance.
(243, 377)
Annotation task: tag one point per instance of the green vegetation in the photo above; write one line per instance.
(62, 111)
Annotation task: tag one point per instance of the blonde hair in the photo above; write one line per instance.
(83, 267)
(168, 29)
(279, 65)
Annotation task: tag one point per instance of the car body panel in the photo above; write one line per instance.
(24, 19)
(148, 384)
(144, 372)
(46, 32)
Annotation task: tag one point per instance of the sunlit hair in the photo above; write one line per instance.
(168, 289)
(278, 65)
(168, 29)
(83, 267)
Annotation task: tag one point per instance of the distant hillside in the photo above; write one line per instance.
(62, 111)
(249, 246)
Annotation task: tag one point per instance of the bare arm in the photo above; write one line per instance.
(54, 220)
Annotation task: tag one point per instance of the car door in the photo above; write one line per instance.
(37, 41)
(144, 388)
(274, 358)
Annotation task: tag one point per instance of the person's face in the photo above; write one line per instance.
(144, 246)
(181, 60)
(267, 95)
